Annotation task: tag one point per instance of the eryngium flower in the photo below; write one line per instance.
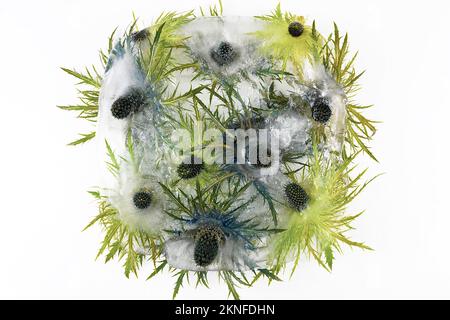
(295, 29)
(224, 54)
(189, 170)
(207, 240)
(321, 111)
(142, 199)
(130, 102)
(296, 196)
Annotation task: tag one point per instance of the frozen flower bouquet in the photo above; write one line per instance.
(230, 145)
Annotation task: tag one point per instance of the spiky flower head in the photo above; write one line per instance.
(142, 199)
(224, 48)
(224, 53)
(321, 111)
(136, 196)
(320, 229)
(218, 234)
(287, 37)
(189, 170)
(130, 102)
(295, 29)
(296, 196)
(207, 241)
(141, 35)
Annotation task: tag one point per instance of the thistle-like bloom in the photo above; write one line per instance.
(315, 205)
(129, 104)
(213, 241)
(123, 75)
(124, 92)
(327, 104)
(288, 38)
(216, 233)
(319, 100)
(296, 196)
(188, 171)
(139, 200)
(140, 36)
(223, 45)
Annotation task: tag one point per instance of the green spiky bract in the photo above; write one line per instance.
(120, 240)
(223, 199)
(320, 229)
(158, 63)
(339, 62)
(282, 45)
(158, 60)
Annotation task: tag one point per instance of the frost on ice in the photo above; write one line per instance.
(213, 242)
(227, 54)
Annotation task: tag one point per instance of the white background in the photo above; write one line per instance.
(404, 45)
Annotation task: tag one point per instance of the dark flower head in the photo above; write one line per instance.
(127, 103)
(142, 199)
(224, 54)
(295, 29)
(190, 170)
(207, 241)
(296, 196)
(321, 111)
(140, 35)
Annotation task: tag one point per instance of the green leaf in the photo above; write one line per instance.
(79, 108)
(114, 248)
(157, 270)
(230, 284)
(95, 194)
(104, 212)
(113, 165)
(110, 234)
(269, 274)
(329, 257)
(179, 282)
(85, 79)
(85, 137)
(176, 199)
